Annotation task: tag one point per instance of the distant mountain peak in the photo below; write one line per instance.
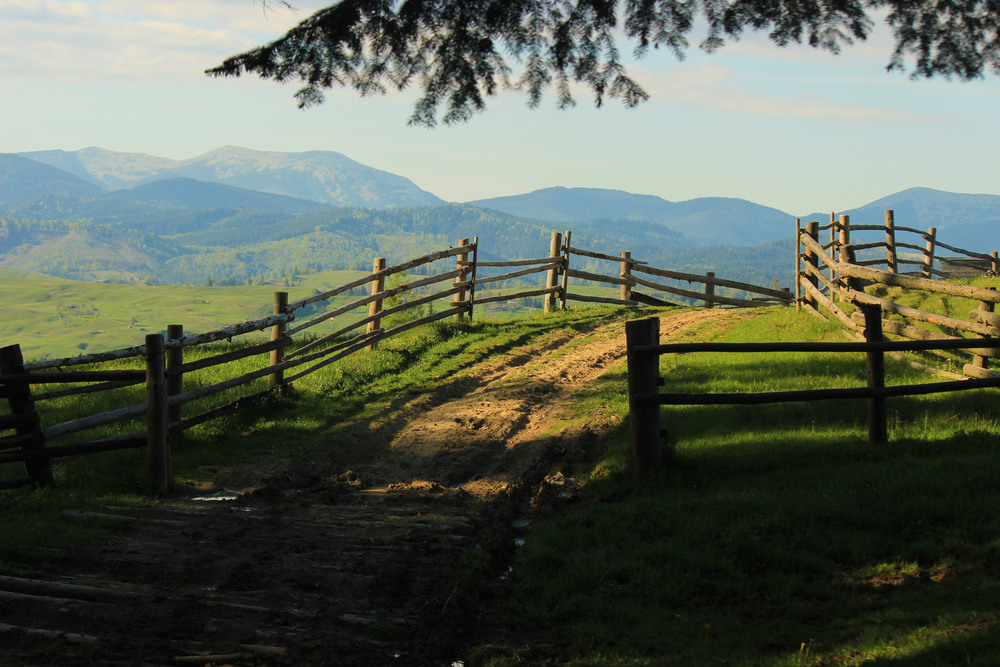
(325, 177)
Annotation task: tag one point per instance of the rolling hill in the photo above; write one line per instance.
(322, 176)
(710, 220)
(164, 224)
(190, 193)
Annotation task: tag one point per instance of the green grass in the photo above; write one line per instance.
(54, 318)
(779, 535)
(290, 428)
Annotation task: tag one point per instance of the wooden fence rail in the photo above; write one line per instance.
(643, 350)
(172, 384)
(824, 283)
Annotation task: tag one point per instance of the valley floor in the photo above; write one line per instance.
(384, 552)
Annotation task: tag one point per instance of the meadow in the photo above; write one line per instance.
(53, 317)
(776, 535)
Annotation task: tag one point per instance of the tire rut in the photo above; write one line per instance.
(389, 560)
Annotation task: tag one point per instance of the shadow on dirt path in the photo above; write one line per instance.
(385, 554)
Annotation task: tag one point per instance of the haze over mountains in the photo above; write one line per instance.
(320, 176)
(236, 214)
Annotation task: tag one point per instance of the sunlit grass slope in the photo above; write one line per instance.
(52, 317)
(778, 535)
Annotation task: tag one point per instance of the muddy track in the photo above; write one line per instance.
(381, 554)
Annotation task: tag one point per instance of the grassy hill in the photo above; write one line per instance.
(778, 536)
(58, 318)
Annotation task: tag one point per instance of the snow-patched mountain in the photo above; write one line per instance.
(323, 176)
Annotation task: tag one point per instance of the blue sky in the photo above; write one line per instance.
(800, 130)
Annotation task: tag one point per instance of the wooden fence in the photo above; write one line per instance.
(829, 276)
(925, 256)
(644, 349)
(295, 350)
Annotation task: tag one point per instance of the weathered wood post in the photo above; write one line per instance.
(709, 290)
(565, 272)
(878, 428)
(471, 275)
(855, 284)
(844, 252)
(812, 263)
(996, 264)
(643, 388)
(928, 265)
(157, 435)
(461, 262)
(834, 236)
(375, 307)
(890, 241)
(551, 281)
(798, 262)
(175, 379)
(277, 378)
(625, 273)
(844, 236)
(29, 431)
(980, 360)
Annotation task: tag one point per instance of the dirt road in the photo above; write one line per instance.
(381, 554)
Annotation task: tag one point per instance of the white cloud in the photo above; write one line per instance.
(117, 40)
(76, 41)
(716, 87)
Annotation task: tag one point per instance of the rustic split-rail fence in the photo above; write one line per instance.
(175, 397)
(837, 287)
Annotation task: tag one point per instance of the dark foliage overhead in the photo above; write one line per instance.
(461, 51)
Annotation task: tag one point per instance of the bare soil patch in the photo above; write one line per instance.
(386, 552)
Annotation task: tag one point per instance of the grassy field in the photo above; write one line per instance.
(52, 317)
(777, 535)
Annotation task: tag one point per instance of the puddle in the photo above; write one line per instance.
(218, 496)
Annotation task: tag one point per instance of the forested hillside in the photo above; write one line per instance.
(236, 246)
(226, 218)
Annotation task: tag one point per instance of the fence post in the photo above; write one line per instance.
(798, 262)
(625, 272)
(565, 272)
(375, 307)
(551, 281)
(928, 264)
(980, 360)
(812, 263)
(834, 236)
(277, 378)
(856, 284)
(890, 241)
(460, 261)
(175, 378)
(643, 387)
(20, 402)
(877, 423)
(157, 438)
(709, 290)
(472, 275)
(844, 237)
(844, 252)
(996, 264)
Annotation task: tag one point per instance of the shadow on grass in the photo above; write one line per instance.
(780, 536)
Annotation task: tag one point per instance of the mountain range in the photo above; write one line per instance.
(320, 176)
(235, 214)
